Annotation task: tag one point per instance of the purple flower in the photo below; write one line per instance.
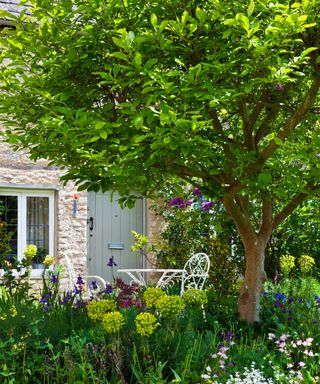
(280, 296)
(94, 285)
(278, 304)
(77, 290)
(278, 87)
(196, 191)
(43, 300)
(111, 262)
(207, 205)
(80, 281)
(176, 201)
(290, 300)
(54, 279)
(108, 289)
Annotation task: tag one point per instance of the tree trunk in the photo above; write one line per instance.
(255, 276)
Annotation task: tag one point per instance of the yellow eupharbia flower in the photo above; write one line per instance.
(48, 260)
(287, 263)
(30, 251)
(306, 263)
(151, 295)
(195, 297)
(112, 322)
(170, 306)
(146, 323)
(98, 308)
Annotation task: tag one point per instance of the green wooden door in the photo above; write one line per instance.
(109, 235)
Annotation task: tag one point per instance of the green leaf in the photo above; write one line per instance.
(130, 37)
(250, 8)
(116, 170)
(308, 50)
(119, 43)
(103, 134)
(201, 15)
(153, 20)
(119, 55)
(138, 122)
(138, 59)
(264, 179)
(138, 139)
(98, 125)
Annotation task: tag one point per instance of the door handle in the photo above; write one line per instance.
(90, 222)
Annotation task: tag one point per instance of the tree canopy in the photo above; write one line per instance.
(129, 93)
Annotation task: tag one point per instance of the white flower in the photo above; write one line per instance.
(271, 336)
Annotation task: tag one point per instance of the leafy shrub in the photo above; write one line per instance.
(193, 225)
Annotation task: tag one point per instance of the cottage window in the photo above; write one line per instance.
(29, 217)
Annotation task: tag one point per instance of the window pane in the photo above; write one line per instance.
(38, 225)
(9, 226)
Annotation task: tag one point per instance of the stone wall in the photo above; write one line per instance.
(17, 171)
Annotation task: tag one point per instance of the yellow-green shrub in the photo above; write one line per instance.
(98, 308)
(146, 323)
(170, 306)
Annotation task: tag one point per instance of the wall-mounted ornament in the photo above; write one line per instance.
(76, 197)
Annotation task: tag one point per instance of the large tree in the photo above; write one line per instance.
(128, 93)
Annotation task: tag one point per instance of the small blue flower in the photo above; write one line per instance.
(77, 290)
(94, 285)
(54, 279)
(290, 300)
(80, 281)
(111, 262)
(280, 296)
(278, 304)
(108, 289)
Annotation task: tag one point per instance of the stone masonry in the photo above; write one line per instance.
(17, 171)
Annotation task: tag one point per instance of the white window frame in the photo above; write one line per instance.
(22, 195)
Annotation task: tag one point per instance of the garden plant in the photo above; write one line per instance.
(127, 95)
(129, 334)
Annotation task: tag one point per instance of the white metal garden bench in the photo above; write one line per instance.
(72, 279)
(193, 275)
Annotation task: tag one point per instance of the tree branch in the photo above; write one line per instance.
(292, 205)
(241, 220)
(291, 123)
(266, 219)
(258, 108)
(247, 127)
(263, 129)
(225, 145)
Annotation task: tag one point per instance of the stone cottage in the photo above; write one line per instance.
(86, 227)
